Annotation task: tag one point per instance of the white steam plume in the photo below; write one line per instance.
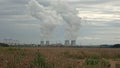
(69, 15)
(53, 13)
(49, 19)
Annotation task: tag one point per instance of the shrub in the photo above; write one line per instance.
(92, 62)
(117, 65)
(40, 62)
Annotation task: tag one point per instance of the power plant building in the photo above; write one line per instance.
(73, 42)
(47, 43)
(67, 42)
(42, 43)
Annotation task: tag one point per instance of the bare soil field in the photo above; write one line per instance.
(56, 57)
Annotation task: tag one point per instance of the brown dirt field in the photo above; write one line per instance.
(12, 57)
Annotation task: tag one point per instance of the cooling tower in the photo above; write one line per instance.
(41, 43)
(73, 42)
(67, 43)
(47, 43)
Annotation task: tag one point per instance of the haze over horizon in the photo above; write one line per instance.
(100, 21)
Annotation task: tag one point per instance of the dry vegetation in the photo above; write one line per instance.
(51, 57)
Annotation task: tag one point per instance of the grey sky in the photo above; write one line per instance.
(101, 21)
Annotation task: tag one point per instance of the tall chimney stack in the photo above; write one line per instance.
(73, 42)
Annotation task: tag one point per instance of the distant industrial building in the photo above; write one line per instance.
(67, 42)
(73, 42)
(47, 43)
(42, 43)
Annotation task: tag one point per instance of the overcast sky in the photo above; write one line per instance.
(100, 22)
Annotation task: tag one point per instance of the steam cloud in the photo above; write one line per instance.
(49, 18)
(52, 14)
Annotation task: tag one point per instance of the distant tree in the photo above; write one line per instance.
(4, 45)
(116, 46)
